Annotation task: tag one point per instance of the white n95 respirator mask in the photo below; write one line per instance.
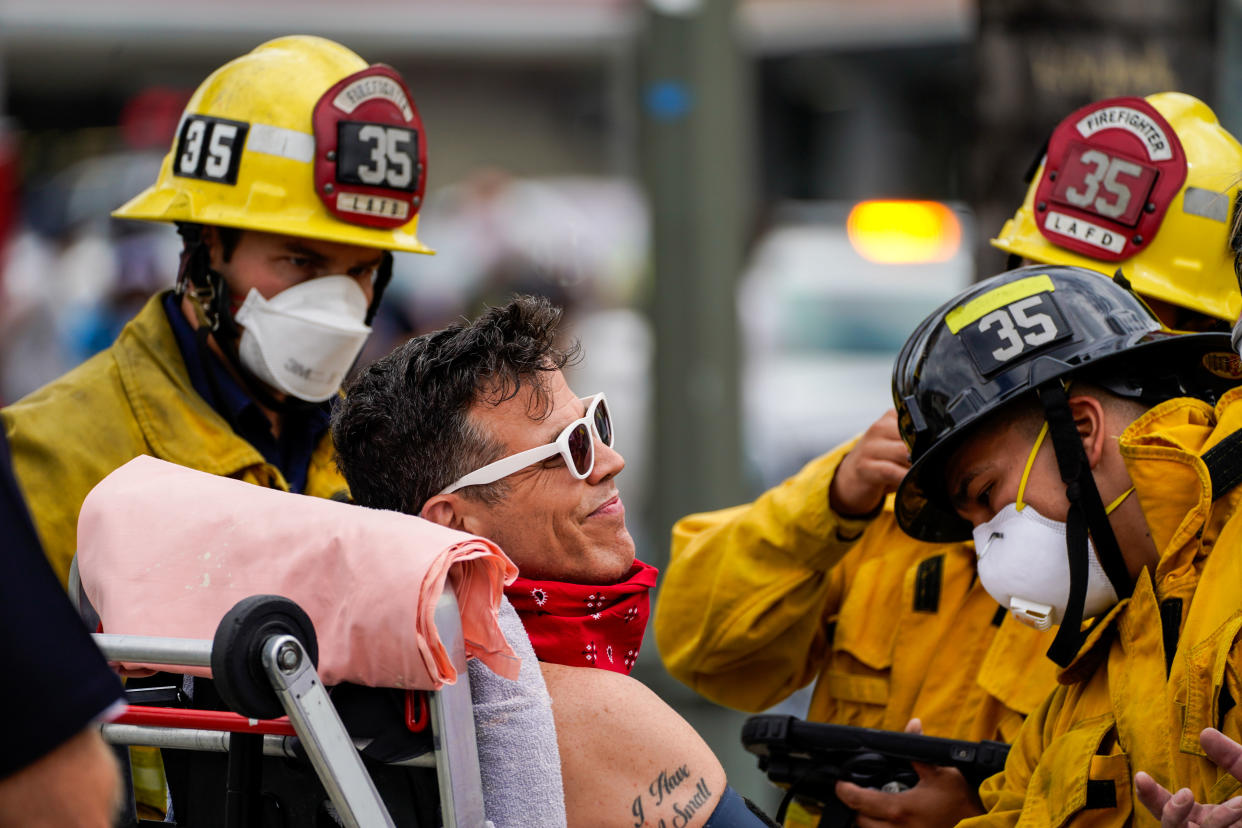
(304, 339)
(1023, 560)
(1024, 565)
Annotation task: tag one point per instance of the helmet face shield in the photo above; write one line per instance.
(1003, 338)
(1144, 185)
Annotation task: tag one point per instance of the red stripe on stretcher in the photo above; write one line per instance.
(203, 720)
(416, 717)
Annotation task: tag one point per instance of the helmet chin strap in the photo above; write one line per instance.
(1086, 516)
(383, 275)
(208, 291)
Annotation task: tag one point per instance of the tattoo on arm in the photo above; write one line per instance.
(664, 791)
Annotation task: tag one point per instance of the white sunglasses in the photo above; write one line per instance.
(574, 443)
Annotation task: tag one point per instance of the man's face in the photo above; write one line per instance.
(984, 474)
(271, 263)
(552, 525)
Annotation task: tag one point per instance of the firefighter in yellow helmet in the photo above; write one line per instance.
(815, 582)
(296, 171)
(1144, 186)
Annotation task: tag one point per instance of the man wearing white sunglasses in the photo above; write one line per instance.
(562, 517)
(474, 427)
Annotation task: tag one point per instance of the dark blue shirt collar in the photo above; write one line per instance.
(301, 430)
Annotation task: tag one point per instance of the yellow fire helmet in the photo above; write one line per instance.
(299, 137)
(1146, 186)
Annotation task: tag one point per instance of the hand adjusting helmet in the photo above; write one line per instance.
(1147, 185)
(299, 137)
(1024, 333)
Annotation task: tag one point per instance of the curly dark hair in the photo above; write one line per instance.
(402, 432)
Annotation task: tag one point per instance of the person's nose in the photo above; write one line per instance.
(608, 463)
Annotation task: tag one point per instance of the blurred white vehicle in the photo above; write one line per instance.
(829, 297)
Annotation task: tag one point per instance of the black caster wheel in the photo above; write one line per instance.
(236, 652)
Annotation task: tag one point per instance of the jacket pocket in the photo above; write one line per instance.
(862, 643)
(1201, 691)
(1081, 776)
(870, 614)
(1211, 666)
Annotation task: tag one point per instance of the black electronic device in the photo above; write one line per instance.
(808, 758)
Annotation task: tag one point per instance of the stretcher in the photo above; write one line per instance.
(299, 632)
(263, 663)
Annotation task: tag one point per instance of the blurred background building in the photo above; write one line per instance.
(744, 205)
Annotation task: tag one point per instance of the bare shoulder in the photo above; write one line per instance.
(627, 758)
(600, 695)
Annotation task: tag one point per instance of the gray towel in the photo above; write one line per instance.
(518, 758)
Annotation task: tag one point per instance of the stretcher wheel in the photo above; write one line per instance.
(236, 651)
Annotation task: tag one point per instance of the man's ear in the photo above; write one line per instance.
(445, 510)
(1088, 414)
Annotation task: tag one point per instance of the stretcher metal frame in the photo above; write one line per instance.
(313, 719)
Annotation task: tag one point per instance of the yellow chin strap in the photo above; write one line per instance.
(1030, 461)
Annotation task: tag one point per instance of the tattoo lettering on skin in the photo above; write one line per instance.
(685, 812)
(662, 787)
(666, 782)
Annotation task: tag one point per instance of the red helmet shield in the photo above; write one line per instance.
(1112, 170)
(370, 150)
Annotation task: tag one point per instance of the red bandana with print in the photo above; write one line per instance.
(586, 625)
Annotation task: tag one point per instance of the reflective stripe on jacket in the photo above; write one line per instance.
(762, 599)
(133, 398)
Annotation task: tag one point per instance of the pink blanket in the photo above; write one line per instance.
(165, 550)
